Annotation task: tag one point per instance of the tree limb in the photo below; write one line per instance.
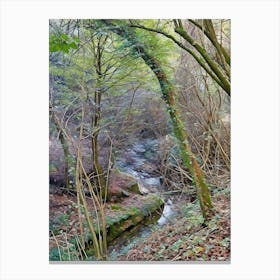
(191, 52)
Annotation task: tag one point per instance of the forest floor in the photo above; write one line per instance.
(185, 238)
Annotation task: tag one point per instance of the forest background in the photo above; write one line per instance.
(245, 126)
(86, 89)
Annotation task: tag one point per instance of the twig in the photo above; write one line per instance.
(60, 257)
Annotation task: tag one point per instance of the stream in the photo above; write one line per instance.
(140, 160)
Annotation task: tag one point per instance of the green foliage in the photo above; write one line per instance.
(52, 167)
(67, 253)
(134, 211)
(64, 219)
(176, 245)
(116, 207)
(55, 255)
(58, 223)
(159, 46)
(63, 43)
(192, 215)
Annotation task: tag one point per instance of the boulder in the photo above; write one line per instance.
(121, 184)
(126, 218)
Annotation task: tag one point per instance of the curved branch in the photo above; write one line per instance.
(215, 43)
(212, 64)
(191, 52)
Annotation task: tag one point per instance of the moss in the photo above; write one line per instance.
(125, 224)
(114, 220)
(128, 219)
(134, 187)
(134, 211)
(116, 207)
(137, 219)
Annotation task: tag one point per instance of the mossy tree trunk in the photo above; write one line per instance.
(208, 29)
(220, 70)
(169, 93)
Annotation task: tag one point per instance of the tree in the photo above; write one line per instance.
(64, 143)
(168, 93)
(96, 46)
(218, 70)
(64, 43)
(61, 43)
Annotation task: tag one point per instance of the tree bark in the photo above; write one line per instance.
(98, 49)
(65, 147)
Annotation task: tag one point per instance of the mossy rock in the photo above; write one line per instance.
(122, 185)
(134, 187)
(130, 217)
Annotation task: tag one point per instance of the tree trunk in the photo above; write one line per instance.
(97, 168)
(65, 147)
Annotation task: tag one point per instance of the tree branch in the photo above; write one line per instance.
(191, 52)
(212, 64)
(206, 32)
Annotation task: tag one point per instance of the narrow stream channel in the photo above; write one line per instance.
(140, 161)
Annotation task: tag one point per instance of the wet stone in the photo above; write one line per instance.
(139, 148)
(154, 181)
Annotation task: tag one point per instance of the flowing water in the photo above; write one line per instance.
(142, 164)
(140, 161)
